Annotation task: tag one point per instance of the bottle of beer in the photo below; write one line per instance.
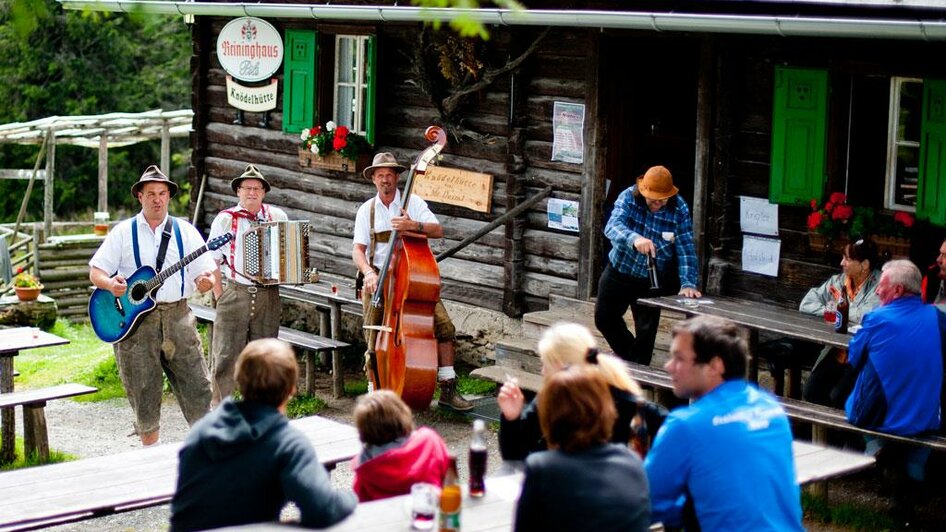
(840, 315)
(450, 499)
(652, 272)
(478, 459)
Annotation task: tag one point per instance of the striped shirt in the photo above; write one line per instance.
(670, 228)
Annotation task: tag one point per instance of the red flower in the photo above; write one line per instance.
(814, 220)
(339, 142)
(828, 207)
(814, 204)
(842, 213)
(903, 218)
(341, 131)
(315, 131)
(837, 198)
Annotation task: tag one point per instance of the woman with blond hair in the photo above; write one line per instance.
(564, 345)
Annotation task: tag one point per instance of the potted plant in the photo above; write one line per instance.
(26, 286)
(892, 235)
(830, 225)
(334, 148)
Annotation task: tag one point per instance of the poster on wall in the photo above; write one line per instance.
(563, 214)
(568, 125)
(761, 255)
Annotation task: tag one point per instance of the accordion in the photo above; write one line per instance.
(278, 253)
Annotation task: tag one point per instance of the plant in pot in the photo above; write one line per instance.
(828, 224)
(334, 147)
(26, 285)
(892, 235)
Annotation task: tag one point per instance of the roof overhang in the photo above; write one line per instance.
(787, 26)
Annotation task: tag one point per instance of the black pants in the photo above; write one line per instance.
(616, 292)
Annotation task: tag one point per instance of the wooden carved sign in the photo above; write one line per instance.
(456, 187)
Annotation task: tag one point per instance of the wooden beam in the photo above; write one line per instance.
(166, 149)
(22, 174)
(704, 106)
(103, 173)
(48, 193)
(593, 175)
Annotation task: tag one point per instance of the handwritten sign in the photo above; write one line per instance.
(760, 255)
(757, 215)
(456, 187)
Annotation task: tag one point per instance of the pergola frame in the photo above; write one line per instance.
(98, 131)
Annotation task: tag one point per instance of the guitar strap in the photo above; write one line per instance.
(163, 248)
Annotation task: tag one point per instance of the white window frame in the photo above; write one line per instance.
(893, 142)
(359, 83)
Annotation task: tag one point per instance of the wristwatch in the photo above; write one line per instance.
(420, 227)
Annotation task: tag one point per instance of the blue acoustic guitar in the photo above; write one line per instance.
(114, 318)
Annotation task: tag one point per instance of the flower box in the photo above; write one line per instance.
(820, 243)
(891, 247)
(333, 161)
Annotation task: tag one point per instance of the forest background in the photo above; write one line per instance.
(59, 62)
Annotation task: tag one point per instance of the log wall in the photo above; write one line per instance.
(477, 275)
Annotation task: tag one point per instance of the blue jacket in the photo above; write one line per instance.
(899, 352)
(731, 452)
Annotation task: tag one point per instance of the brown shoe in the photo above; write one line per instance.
(451, 398)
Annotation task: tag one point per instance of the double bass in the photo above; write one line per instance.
(406, 349)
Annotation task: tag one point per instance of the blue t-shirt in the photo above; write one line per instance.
(731, 451)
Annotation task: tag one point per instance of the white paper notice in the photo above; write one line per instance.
(757, 215)
(563, 214)
(760, 255)
(568, 124)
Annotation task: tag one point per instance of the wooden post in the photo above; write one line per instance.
(704, 106)
(338, 374)
(7, 421)
(35, 436)
(103, 173)
(166, 149)
(48, 193)
(593, 176)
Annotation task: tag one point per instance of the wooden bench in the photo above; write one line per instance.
(35, 437)
(54, 494)
(311, 342)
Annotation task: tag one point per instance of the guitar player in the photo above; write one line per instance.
(166, 338)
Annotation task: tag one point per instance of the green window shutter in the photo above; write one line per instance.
(372, 92)
(931, 195)
(298, 97)
(799, 124)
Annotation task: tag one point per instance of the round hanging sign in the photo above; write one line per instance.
(249, 49)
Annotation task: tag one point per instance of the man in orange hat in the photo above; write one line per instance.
(374, 222)
(246, 310)
(652, 254)
(165, 339)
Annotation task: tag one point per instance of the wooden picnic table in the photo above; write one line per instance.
(92, 487)
(497, 509)
(12, 341)
(757, 316)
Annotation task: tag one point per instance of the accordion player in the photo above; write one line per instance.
(278, 253)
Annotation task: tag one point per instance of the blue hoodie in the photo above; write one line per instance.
(241, 463)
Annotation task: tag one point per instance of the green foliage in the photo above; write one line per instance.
(466, 25)
(304, 405)
(356, 388)
(467, 385)
(84, 63)
(22, 461)
(105, 378)
(844, 515)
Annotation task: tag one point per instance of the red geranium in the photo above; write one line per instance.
(903, 218)
(334, 138)
(842, 213)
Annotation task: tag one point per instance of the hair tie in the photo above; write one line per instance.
(592, 356)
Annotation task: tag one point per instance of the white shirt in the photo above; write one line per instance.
(417, 211)
(222, 224)
(117, 254)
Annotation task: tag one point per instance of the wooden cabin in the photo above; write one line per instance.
(782, 100)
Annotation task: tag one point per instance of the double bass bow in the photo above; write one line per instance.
(406, 349)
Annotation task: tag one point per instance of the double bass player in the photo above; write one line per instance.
(374, 223)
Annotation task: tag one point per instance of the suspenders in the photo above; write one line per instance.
(159, 262)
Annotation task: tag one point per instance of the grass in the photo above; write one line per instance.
(304, 405)
(22, 461)
(844, 514)
(85, 359)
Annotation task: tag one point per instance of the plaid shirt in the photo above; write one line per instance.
(631, 219)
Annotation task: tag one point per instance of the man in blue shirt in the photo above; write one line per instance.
(726, 460)
(897, 355)
(649, 220)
